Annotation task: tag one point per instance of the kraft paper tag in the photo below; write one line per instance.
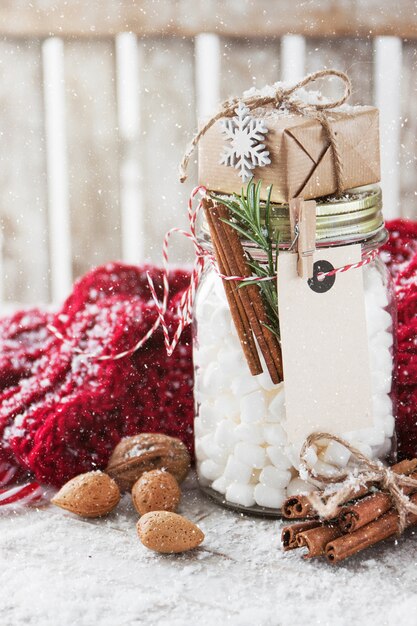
(324, 346)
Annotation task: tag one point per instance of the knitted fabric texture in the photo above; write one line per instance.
(62, 413)
(400, 255)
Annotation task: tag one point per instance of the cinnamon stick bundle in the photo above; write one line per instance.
(300, 507)
(360, 513)
(252, 318)
(385, 526)
(289, 533)
(318, 538)
(372, 519)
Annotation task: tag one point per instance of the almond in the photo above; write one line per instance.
(156, 491)
(166, 532)
(93, 494)
(133, 456)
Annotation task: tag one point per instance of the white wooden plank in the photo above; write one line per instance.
(93, 152)
(408, 147)
(186, 18)
(168, 121)
(293, 52)
(388, 65)
(23, 201)
(129, 65)
(207, 74)
(57, 168)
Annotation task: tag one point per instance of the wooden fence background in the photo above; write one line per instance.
(98, 100)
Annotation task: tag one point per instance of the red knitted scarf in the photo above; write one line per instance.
(62, 414)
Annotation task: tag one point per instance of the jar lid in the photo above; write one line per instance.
(354, 216)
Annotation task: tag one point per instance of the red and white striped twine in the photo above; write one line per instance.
(20, 495)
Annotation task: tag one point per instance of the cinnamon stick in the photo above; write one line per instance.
(237, 310)
(289, 533)
(318, 538)
(360, 513)
(385, 526)
(299, 507)
(251, 296)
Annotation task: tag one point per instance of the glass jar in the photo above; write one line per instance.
(243, 456)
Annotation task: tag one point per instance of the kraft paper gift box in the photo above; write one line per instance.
(302, 162)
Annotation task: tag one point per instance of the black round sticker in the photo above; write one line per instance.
(326, 283)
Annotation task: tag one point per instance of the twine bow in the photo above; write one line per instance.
(368, 471)
(285, 96)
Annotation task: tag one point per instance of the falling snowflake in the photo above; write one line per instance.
(246, 150)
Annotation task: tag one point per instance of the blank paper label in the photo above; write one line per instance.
(324, 346)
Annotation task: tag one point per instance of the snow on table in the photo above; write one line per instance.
(60, 570)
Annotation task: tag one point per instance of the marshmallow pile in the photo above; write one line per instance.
(241, 443)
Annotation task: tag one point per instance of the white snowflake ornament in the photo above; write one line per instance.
(246, 150)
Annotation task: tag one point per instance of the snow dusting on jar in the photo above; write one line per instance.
(244, 459)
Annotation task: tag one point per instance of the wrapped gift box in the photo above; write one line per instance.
(300, 152)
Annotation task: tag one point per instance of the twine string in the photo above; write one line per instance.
(318, 111)
(366, 471)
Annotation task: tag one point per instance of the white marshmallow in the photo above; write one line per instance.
(274, 477)
(199, 449)
(377, 320)
(383, 338)
(388, 425)
(269, 497)
(272, 418)
(381, 404)
(381, 381)
(325, 469)
(253, 433)
(220, 322)
(381, 360)
(298, 486)
(383, 451)
(310, 456)
(208, 415)
(371, 436)
(215, 380)
(275, 435)
(237, 471)
(225, 435)
(264, 381)
(199, 428)
(253, 407)
(212, 450)
(336, 454)
(230, 359)
(277, 405)
(363, 447)
(278, 457)
(226, 405)
(241, 494)
(251, 454)
(204, 355)
(211, 470)
(220, 484)
(242, 385)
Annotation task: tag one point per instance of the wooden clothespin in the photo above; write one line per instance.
(303, 233)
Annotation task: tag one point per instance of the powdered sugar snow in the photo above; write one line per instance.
(59, 569)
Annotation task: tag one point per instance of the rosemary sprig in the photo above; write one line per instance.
(246, 219)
